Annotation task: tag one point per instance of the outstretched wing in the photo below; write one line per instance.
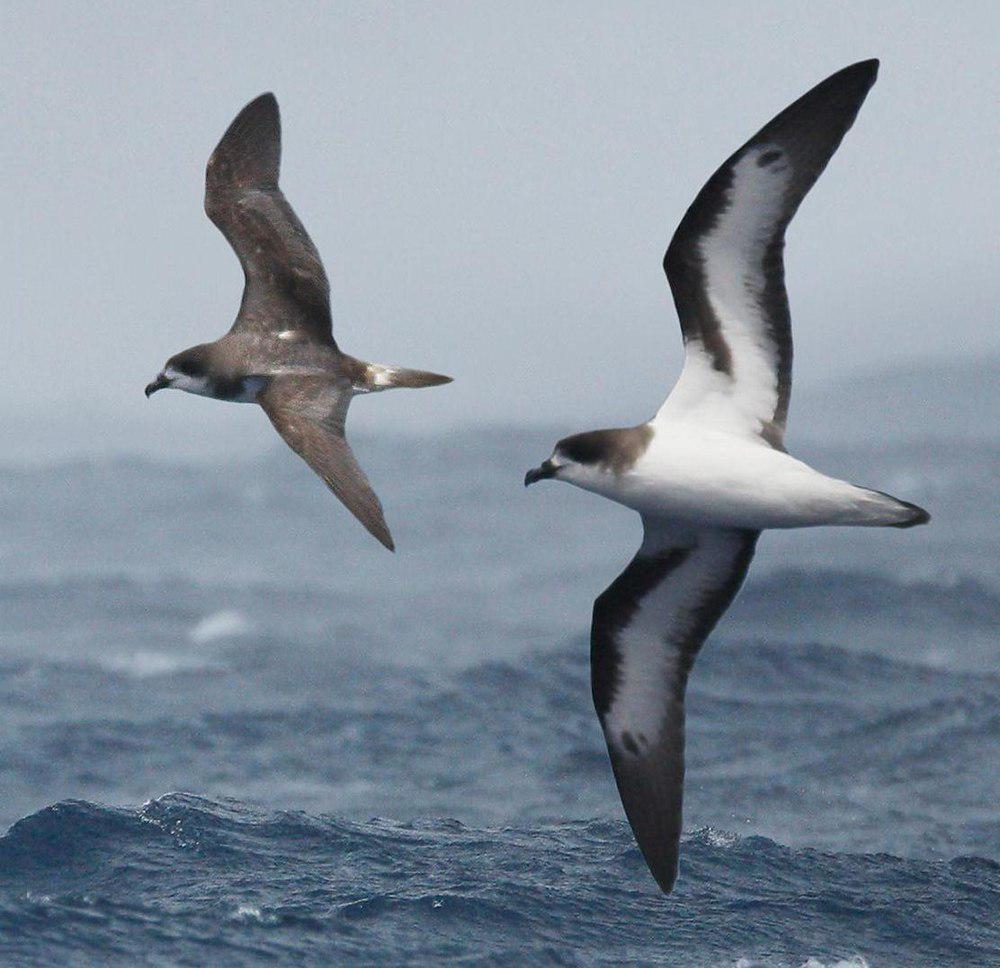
(286, 286)
(309, 413)
(725, 267)
(648, 627)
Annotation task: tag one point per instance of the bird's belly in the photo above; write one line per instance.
(748, 486)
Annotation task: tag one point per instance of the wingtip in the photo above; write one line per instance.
(865, 72)
(261, 110)
(663, 860)
(868, 66)
(249, 153)
(665, 882)
(848, 86)
(379, 530)
(267, 101)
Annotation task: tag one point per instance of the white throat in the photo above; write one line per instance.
(188, 383)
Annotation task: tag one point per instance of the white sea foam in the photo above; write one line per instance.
(220, 625)
(855, 961)
(715, 837)
(144, 664)
(252, 913)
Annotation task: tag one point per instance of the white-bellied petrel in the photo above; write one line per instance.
(709, 472)
(280, 352)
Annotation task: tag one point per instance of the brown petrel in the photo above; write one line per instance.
(280, 352)
(709, 472)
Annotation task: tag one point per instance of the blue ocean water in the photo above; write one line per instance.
(234, 730)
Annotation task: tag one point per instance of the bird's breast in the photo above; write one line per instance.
(716, 480)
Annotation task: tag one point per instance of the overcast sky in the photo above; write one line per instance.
(491, 186)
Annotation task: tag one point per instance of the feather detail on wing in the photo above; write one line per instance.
(286, 285)
(647, 629)
(309, 413)
(725, 266)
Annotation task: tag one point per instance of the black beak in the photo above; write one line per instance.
(548, 469)
(158, 384)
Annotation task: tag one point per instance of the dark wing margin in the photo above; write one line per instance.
(309, 413)
(286, 285)
(647, 629)
(724, 263)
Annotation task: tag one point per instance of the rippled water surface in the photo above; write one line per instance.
(395, 757)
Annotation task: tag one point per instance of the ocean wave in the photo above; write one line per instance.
(871, 739)
(183, 876)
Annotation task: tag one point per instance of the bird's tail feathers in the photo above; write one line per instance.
(381, 376)
(884, 510)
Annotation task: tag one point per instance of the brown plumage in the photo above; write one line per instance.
(280, 351)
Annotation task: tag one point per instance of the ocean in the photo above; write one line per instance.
(236, 731)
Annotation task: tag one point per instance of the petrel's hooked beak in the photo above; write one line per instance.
(548, 469)
(158, 384)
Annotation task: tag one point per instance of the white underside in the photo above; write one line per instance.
(709, 478)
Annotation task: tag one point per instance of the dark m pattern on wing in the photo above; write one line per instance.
(804, 136)
(649, 769)
(615, 608)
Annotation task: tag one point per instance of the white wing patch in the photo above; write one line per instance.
(648, 627)
(661, 636)
(649, 667)
(733, 253)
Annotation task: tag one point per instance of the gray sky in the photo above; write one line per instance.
(491, 186)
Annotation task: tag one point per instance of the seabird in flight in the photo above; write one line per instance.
(280, 352)
(709, 472)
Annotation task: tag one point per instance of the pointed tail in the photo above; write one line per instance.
(915, 515)
(384, 377)
(884, 510)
